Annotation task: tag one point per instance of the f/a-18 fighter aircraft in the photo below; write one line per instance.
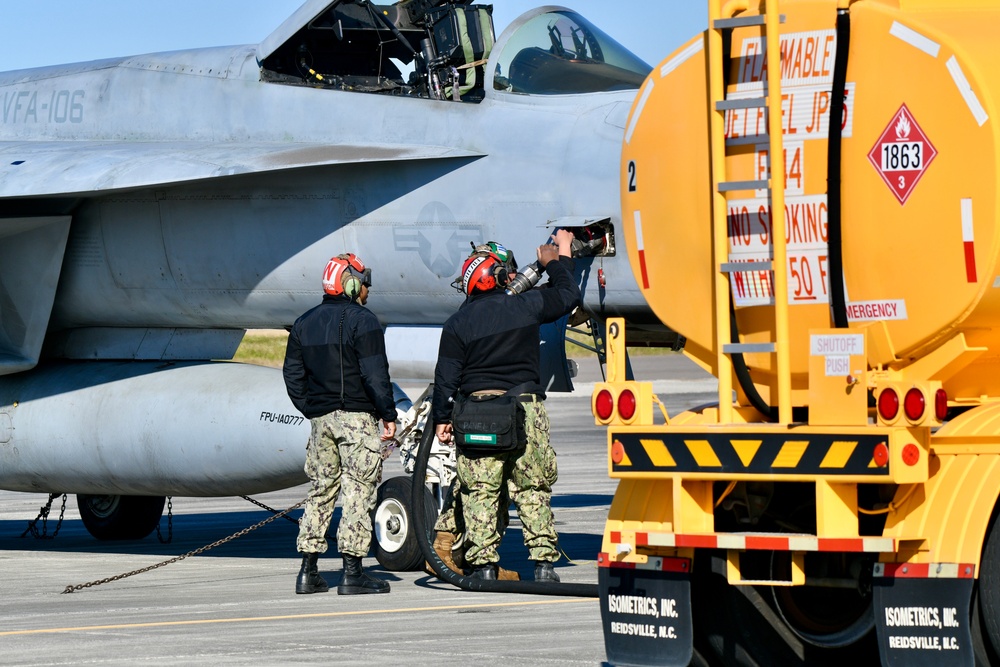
(155, 207)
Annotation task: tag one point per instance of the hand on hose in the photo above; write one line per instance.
(547, 253)
(388, 430)
(562, 246)
(564, 240)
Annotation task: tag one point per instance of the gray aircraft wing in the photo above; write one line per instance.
(33, 169)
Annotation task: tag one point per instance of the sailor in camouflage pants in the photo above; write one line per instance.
(492, 345)
(344, 452)
(337, 374)
(532, 471)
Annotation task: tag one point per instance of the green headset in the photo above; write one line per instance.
(352, 286)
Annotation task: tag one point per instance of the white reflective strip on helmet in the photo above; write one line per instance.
(469, 271)
(332, 276)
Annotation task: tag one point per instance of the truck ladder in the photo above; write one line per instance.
(721, 19)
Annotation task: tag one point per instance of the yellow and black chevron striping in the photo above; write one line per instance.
(750, 453)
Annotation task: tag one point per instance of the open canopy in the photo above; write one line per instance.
(445, 50)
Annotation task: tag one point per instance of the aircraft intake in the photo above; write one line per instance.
(149, 429)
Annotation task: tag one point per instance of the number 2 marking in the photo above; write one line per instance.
(631, 176)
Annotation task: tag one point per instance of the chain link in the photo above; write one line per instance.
(170, 523)
(43, 514)
(118, 577)
(272, 510)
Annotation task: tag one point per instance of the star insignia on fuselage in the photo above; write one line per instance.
(440, 241)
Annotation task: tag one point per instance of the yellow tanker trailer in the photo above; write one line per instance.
(839, 504)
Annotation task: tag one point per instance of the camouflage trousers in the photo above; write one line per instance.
(451, 519)
(531, 472)
(344, 453)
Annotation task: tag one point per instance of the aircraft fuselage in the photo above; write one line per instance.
(153, 208)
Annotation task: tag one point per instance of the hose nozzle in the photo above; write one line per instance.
(525, 279)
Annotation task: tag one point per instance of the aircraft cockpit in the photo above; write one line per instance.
(424, 48)
(560, 52)
(441, 49)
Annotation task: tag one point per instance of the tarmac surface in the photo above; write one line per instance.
(235, 604)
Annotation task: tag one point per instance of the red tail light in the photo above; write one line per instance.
(626, 404)
(617, 452)
(888, 404)
(881, 454)
(914, 404)
(940, 405)
(605, 404)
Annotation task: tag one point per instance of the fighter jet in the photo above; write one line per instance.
(153, 208)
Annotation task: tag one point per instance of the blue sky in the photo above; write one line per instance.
(49, 32)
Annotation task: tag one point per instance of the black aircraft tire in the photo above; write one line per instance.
(393, 536)
(741, 629)
(986, 601)
(120, 517)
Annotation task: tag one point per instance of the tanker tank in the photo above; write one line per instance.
(898, 239)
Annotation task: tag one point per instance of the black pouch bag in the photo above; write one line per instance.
(489, 424)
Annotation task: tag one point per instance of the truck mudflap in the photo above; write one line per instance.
(646, 611)
(922, 614)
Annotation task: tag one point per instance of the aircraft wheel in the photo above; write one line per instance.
(120, 517)
(986, 601)
(761, 626)
(393, 529)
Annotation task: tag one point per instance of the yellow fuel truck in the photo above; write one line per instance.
(810, 197)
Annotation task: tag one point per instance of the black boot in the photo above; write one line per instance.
(356, 582)
(486, 572)
(309, 580)
(545, 572)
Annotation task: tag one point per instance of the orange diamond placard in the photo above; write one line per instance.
(902, 154)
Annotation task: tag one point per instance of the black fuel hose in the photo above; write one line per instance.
(468, 583)
(799, 414)
(835, 244)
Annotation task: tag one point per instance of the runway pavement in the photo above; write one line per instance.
(235, 604)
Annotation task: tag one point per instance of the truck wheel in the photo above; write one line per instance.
(120, 517)
(393, 533)
(757, 626)
(986, 600)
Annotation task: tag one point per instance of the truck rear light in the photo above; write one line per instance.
(604, 405)
(914, 404)
(881, 454)
(941, 405)
(911, 454)
(617, 452)
(888, 404)
(622, 403)
(626, 404)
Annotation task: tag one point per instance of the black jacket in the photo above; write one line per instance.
(493, 341)
(313, 367)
